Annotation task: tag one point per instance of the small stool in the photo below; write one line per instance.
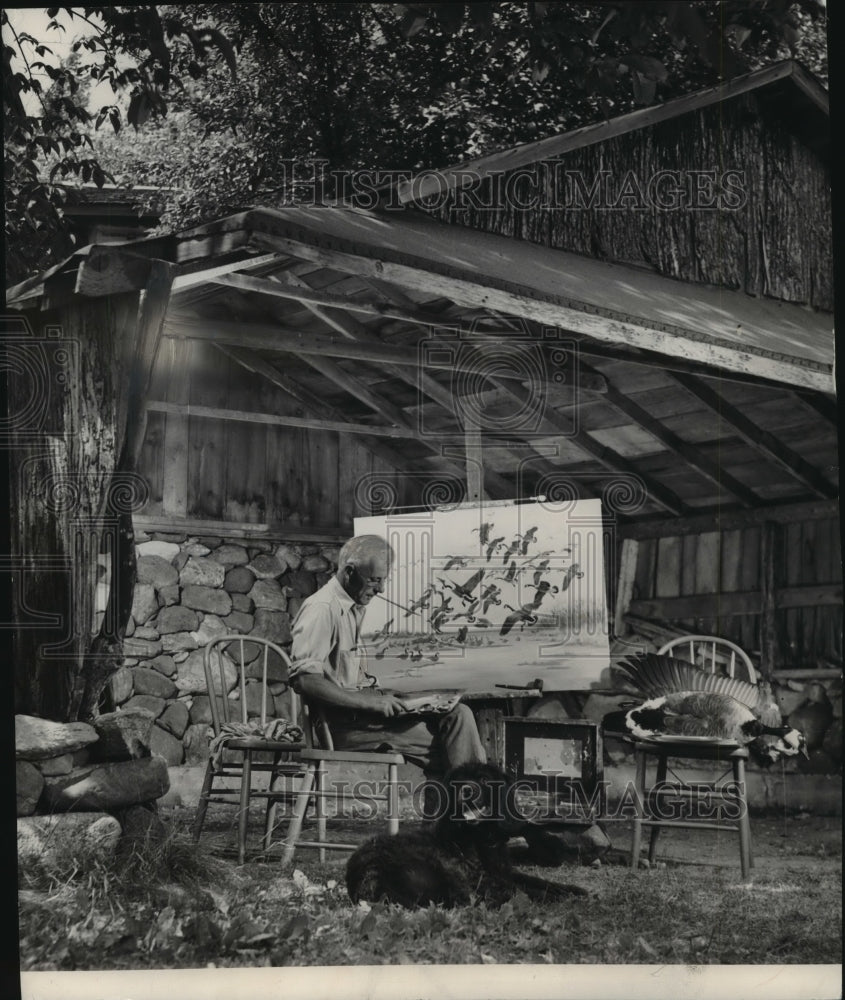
(649, 797)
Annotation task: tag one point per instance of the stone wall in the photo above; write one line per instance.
(190, 590)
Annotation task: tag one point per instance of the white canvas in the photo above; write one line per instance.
(502, 593)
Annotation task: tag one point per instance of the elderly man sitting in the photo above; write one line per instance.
(327, 668)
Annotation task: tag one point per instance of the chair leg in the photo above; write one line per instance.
(640, 807)
(744, 823)
(202, 805)
(320, 808)
(270, 812)
(298, 815)
(392, 799)
(655, 830)
(243, 814)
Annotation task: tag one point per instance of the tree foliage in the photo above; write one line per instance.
(138, 53)
(359, 86)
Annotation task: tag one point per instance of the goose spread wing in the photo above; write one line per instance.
(654, 675)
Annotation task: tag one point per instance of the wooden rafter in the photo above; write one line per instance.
(394, 416)
(757, 438)
(255, 417)
(365, 346)
(350, 328)
(686, 452)
(255, 363)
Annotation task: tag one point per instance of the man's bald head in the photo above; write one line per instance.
(363, 565)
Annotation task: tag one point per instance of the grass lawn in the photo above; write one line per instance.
(187, 907)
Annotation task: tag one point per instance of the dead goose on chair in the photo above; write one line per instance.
(687, 701)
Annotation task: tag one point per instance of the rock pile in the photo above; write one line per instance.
(80, 787)
(190, 590)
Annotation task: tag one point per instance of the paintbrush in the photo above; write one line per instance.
(395, 604)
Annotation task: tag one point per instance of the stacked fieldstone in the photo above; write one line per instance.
(190, 590)
(80, 786)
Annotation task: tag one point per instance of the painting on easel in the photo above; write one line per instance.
(502, 593)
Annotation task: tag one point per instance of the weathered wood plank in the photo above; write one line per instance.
(731, 560)
(770, 652)
(478, 293)
(152, 308)
(274, 531)
(207, 437)
(707, 559)
(727, 520)
(176, 361)
(646, 566)
(737, 603)
(246, 446)
(625, 587)
(668, 582)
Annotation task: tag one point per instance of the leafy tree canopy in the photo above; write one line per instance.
(223, 98)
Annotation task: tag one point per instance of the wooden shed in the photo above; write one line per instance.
(480, 333)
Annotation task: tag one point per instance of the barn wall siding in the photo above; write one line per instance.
(204, 469)
(777, 243)
(727, 565)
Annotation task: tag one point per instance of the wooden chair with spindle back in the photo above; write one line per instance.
(298, 771)
(714, 655)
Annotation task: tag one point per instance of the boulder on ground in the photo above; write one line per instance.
(143, 831)
(174, 719)
(196, 741)
(29, 784)
(120, 683)
(124, 735)
(166, 745)
(148, 701)
(107, 787)
(59, 765)
(36, 739)
(52, 841)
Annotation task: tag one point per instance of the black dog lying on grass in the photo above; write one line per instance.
(464, 857)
